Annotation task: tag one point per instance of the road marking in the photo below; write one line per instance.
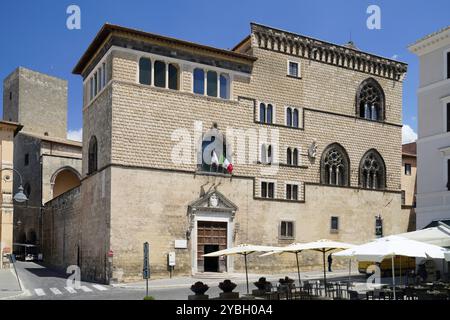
(55, 291)
(99, 287)
(70, 289)
(39, 292)
(85, 289)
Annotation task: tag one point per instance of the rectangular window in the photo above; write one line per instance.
(403, 197)
(407, 169)
(334, 223)
(378, 227)
(287, 229)
(291, 192)
(448, 174)
(267, 189)
(293, 69)
(27, 159)
(10, 95)
(271, 193)
(211, 83)
(95, 84)
(448, 65)
(264, 189)
(91, 89)
(448, 117)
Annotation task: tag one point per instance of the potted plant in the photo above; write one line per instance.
(199, 288)
(263, 286)
(227, 287)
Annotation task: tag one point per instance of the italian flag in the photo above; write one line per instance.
(214, 159)
(226, 164)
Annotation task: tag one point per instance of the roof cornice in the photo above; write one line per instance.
(313, 49)
(108, 29)
(431, 42)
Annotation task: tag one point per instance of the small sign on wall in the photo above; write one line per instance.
(180, 244)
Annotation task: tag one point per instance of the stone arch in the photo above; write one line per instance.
(335, 166)
(64, 179)
(372, 170)
(370, 100)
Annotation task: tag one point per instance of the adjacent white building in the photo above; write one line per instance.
(433, 145)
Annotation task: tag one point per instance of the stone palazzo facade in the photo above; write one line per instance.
(312, 129)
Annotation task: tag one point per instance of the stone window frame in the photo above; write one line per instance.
(299, 72)
(292, 183)
(274, 113)
(286, 236)
(446, 59)
(268, 158)
(334, 230)
(167, 63)
(291, 150)
(383, 171)
(275, 185)
(93, 155)
(347, 164)
(293, 109)
(100, 72)
(382, 109)
(408, 165)
(220, 72)
(445, 102)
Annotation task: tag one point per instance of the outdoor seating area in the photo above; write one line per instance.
(376, 251)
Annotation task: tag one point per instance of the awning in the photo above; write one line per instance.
(439, 236)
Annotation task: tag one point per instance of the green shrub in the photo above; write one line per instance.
(149, 298)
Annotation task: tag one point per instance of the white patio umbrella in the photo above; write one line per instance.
(322, 245)
(392, 246)
(243, 249)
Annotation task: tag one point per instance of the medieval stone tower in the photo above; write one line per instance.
(37, 101)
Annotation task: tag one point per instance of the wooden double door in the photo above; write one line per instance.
(211, 236)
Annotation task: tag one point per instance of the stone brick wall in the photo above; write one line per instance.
(39, 102)
(61, 241)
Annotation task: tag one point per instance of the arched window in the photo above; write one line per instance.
(372, 171)
(370, 100)
(199, 81)
(335, 166)
(269, 113)
(289, 156)
(295, 157)
(289, 117)
(145, 71)
(92, 157)
(224, 86)
(173, 77)
(211, 78)
(295, 118)
(160, 74)
(262, 113)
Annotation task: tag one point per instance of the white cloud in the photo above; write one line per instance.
(394, 57)
(408, 134)
(76, 135)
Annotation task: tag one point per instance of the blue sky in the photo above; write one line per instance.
(34, 33)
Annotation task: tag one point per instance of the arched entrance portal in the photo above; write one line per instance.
(64, 179)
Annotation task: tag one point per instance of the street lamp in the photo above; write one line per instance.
(20, 196)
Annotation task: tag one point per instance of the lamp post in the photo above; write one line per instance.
(20, 196)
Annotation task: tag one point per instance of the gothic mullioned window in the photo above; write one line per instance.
(335, 166)
(370, 100)
(372, 171)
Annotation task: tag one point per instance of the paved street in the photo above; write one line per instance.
(40, 283)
